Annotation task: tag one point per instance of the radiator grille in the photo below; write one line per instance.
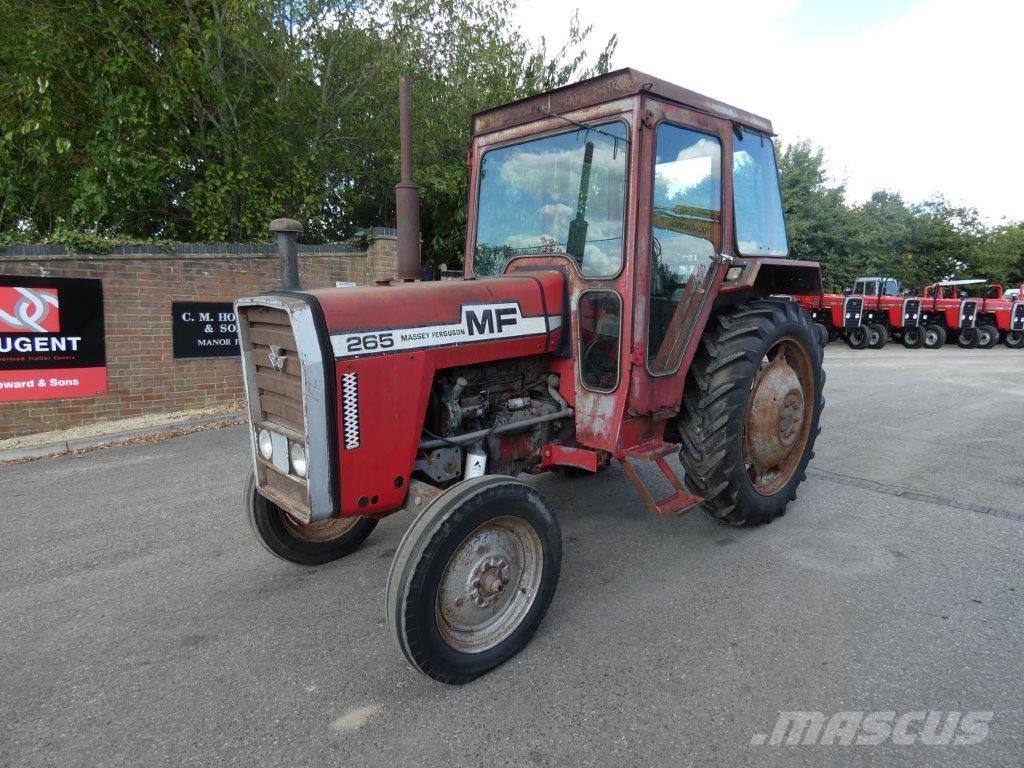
(275, 358)
(275, 388)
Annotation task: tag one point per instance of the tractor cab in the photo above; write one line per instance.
(876, 287)
(647, 198)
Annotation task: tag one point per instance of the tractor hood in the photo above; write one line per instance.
(381, 320)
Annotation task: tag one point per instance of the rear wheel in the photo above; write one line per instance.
(988, 336)
(878, 335)
(1014, 339)
(750, 411)
(473, 577)
(857, 338)
(967, 338)
(934, 336)
(913, 338)
(286, 536)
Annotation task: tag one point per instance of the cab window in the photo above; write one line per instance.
(760, 225)
(686, 233)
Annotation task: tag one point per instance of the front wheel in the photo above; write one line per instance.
(988, 336)
(1014, 339)
(858, 338)
(750, 414)
(934, 336)
(967, 338)
(290, 539)
(878, 335)
(913, 338)
(823, 334)
(473, 577)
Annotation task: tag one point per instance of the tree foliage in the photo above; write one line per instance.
(204, 119)
(887, 236)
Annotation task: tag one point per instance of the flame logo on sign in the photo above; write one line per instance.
(31, 309)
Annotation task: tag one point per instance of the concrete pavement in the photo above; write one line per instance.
(143, 626)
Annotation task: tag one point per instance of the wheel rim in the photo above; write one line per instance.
(874, 337)
(931, 338)
(319, 532)
(778, 418)
(1015, 337)
(912, 335)
(489, 584)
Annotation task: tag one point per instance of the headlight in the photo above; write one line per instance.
(297, 453)
(266, 444)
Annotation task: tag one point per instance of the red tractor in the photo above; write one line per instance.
(625, 237)
(973, 312)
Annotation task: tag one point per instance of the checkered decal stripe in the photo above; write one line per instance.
(350, 409)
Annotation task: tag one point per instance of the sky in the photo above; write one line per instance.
(921, 97)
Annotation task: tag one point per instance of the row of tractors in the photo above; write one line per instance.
(971, 313)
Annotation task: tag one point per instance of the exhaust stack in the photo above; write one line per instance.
(407, 194)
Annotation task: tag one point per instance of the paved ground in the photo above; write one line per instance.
(142, 625)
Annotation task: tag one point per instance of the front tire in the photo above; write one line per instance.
(750, 411)
(858, 338)
(913, 338)
(303, 543)
(1014, 339)
(473, 577)
(988, 336)
(967, 338)
(823, 335)
(934, 337)
(878, 335)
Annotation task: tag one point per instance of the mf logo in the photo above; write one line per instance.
(483, 321)
(29, 310)
(278, 357)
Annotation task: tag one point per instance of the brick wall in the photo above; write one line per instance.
(138, 287)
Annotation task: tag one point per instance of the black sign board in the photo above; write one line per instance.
(51, 338)
(204, 329)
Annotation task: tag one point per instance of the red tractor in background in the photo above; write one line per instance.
(866, 316)
(625, 239)
(973, 312)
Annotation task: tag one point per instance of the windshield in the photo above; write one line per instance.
(559, 194)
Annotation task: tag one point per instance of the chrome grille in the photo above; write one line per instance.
(274, 370)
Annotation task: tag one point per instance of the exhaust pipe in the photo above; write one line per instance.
(407, 194)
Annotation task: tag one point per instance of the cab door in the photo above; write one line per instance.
(683, 247)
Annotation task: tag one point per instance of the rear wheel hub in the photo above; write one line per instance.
(778, 416)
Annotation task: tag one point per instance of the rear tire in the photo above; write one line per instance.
(934, 337)
(1014, 339)
(306, 544)
(988, 336)
(473, 577)
(729, 380)
(857, 338)
(913, 338)
(967, 338)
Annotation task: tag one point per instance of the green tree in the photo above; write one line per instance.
(819, 224)
(204, 119)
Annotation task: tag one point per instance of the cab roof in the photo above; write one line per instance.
(620, 84)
